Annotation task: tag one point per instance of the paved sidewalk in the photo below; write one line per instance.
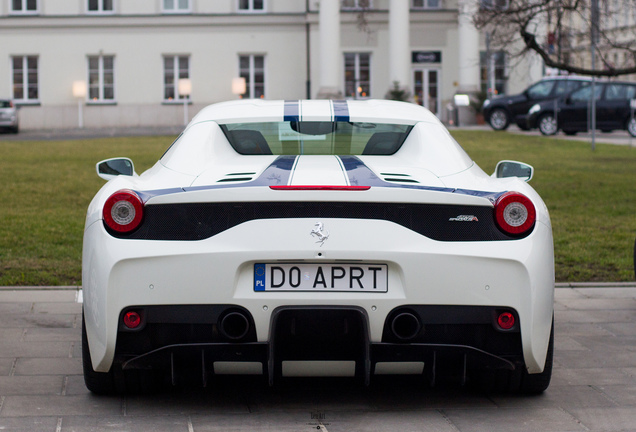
(593, 387)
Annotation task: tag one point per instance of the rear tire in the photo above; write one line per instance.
(97, 382)
(519, 380)
(548, 125)
(499, 119)
(631, 127)
(569, 132)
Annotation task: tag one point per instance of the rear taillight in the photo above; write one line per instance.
(506, 320)
(515, 214)
(123, 211)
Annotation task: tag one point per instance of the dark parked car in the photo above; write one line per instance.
(8, 116)
(613, 110)
(500, 111)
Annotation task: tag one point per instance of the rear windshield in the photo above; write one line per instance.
(316, 138)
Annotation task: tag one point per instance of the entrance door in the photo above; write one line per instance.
(426, 88)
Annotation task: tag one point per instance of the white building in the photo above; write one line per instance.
(131, 54)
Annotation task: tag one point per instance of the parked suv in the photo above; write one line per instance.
(613, 110)
(8, 116)
(500, 111)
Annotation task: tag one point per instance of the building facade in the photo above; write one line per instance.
(130, 55)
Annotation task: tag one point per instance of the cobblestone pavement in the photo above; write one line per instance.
(593, 386)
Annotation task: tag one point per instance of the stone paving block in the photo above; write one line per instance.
(575, 316)
(15, 308)
(6, 365)
(128, 423)
(58, 308)
(612, 316)
(590, 377)
(37, 320)
(53, 334)
(563, 294)
(567, 343)
(48, 366)
(624, 395)
(48, 296)
(620, 329)
(14, 349)
(28, 424)
(576, 360)
(610, 345)
(355, 421)
(608, 419)
(608, 292)
(602, 304)
(45, 406)
(184, 403)
(75, 385)
(31, 385)
(413, 397)
(557, 396)
(580, 329)
(513, 420)
(11, 334)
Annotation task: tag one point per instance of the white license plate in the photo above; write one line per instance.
(309, 277)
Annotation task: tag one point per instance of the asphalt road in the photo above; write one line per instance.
(593, 386)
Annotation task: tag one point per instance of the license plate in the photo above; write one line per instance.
(307, 277)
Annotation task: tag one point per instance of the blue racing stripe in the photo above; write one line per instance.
(291, 111)
(361, 175)
(340, 111)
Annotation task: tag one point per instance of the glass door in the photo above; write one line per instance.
(426, 87)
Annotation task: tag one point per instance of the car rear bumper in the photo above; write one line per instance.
(422, 273)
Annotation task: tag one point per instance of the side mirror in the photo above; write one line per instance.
(507, 168)
(110, 168)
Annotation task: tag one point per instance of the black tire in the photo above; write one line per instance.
(519, 380)
(569, 132)
(97, 382)
(538, 383)
(523, 127)
(499, 119)
(547, 124)
(631, 126)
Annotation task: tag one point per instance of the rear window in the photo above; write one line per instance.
(316, 138)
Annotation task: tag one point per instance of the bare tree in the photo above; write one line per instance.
(561, 32)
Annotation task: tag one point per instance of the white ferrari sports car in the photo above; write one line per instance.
(317, 238)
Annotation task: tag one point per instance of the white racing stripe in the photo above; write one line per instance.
(320, 171)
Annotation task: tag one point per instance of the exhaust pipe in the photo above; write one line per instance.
(406, 326)
(234, 325)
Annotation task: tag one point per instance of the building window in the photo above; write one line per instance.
(25, 78)
(499, 65)
(99, 6)
(101, 78)
(251, 5)
(174, 68)
(24, 6)
(426, 4)
(252, 68)
(357, 75)
(176, 6)
(357, 4)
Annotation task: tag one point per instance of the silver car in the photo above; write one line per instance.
(8, 116)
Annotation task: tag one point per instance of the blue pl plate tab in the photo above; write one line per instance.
(259, 277)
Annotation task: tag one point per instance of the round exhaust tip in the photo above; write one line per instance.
(405, 326)
(234, 325)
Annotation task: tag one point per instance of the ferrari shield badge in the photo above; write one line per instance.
(320, 233)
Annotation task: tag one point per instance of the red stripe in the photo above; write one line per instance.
(310, 187)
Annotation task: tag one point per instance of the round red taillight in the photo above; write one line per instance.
(123, 211)
(132, 319)
(506, 320)
(515, 214)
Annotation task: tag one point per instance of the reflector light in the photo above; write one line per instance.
(514, 212)
(506, 320)
(132, 319)
(123, 211)
(311, 187)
